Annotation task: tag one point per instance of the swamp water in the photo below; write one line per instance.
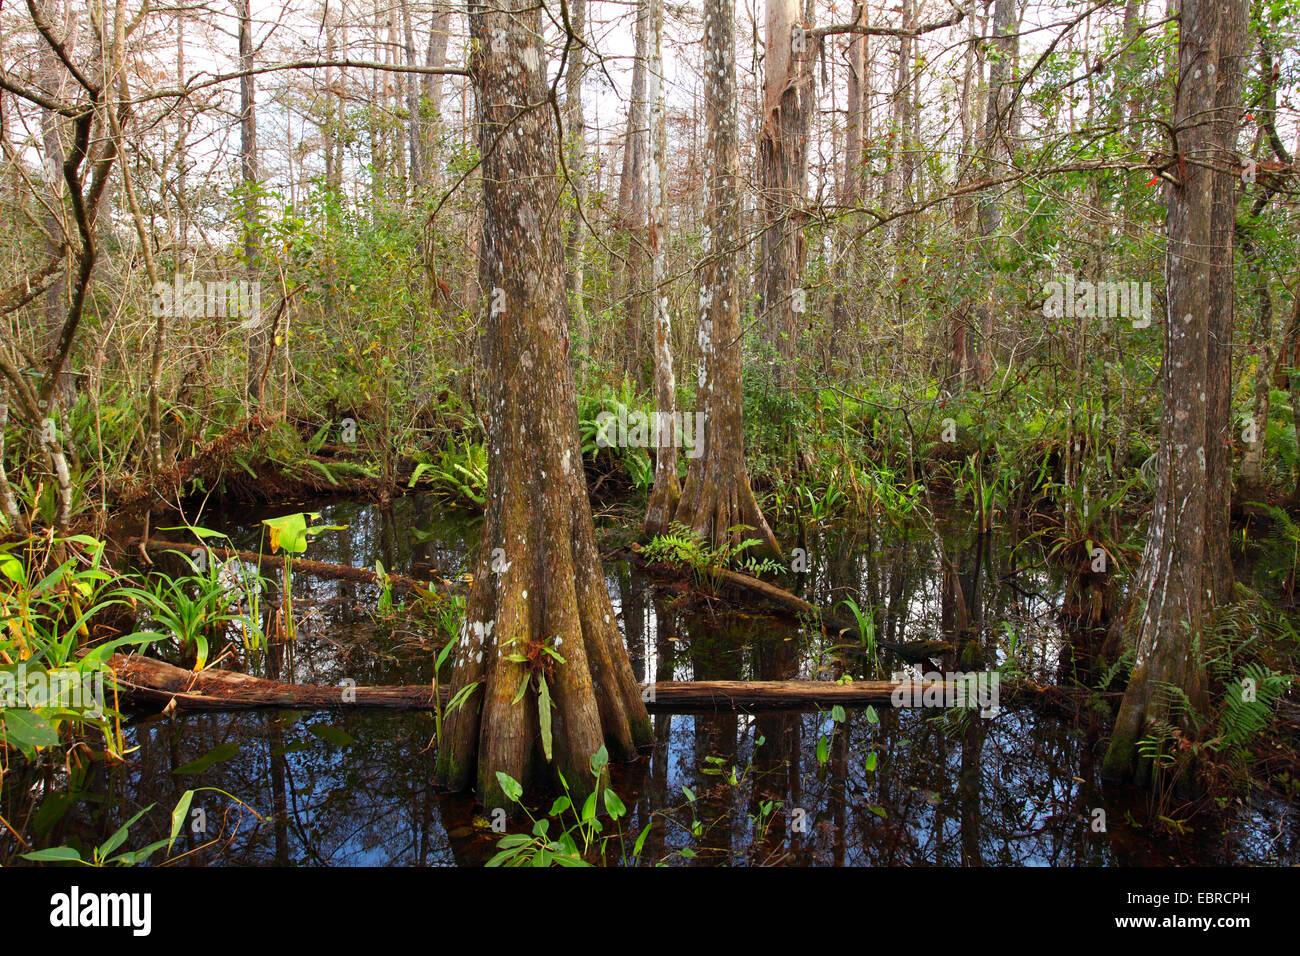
(880, 787)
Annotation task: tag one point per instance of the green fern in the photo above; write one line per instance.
(1248, 705)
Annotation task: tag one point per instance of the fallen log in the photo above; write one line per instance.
(145, 681)
(303, 565)
(747, 584)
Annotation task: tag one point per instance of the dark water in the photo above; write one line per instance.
(910, 787)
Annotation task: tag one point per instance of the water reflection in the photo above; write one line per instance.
(878, 788)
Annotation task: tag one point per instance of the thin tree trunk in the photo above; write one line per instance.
(667, 488)
(415, 135)
(988, 212)
(575, 127)
(717, 496)
(632, 203)
(259, 336)
(8, 503)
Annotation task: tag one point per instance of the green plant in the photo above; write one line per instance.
(291, 533)
(866, 630)
(189, 607)
(595, 434)
(681, 547)
(575, 831)
(45, 615)
(384, 605)
(459, 474)
(106, 853)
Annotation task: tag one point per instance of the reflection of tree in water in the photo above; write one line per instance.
(366, 803)
(992, 792)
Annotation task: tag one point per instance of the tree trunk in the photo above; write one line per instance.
(783, 173)
(259, 336)
(632, 204)
(667, 489)
(575, 128)
(1219, 431)
(988, 213)
(717, 496)
(1174, 588)
(539, 581)
(411, 85)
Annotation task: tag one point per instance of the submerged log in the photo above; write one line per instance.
(736, 582)
(339, 572)
(146, 682)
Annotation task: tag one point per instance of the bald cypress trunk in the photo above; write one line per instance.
(717, 497)
(1226, 120)
(1175, 588)
(632, 207)
(538, 580)
(783, 174)
(667, 489)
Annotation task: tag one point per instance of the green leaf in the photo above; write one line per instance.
(544, 716)
(871, 762)
(872, 716)
(12, 568)
(215, 755)
(837, 714)
(26, 728)
(599, 761)
(559, 806)
(178, 816)
(331, 735)
(510, 786)
(288, 532)
(106, 848)
(199, 532)
(523, 688)
(51, 811)
(613, 805)
(55, 854)
(293, 748)
(823, 750)
(640, 840)
(589, 808)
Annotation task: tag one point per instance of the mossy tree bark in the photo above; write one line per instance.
(1175, 588)
(717, 496)
(538, 580)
